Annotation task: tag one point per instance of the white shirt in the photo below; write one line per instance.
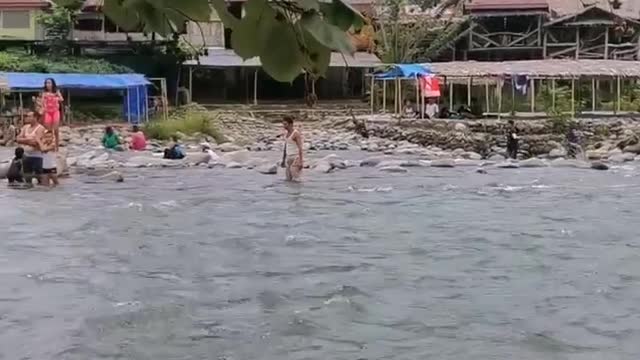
(431, 110)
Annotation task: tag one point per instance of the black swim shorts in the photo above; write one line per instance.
(32, 165)
(52, 171)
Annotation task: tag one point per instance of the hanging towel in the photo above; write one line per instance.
(520, 83)
(430, 86)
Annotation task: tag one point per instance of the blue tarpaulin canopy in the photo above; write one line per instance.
(35, 81)
(404, 71)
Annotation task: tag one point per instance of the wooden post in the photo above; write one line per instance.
(638, 52)
(395, 101)
(469, 85)
(618, 94)
(450, 96)
(606, 44)
(553, 94)
(577, 43)
(533, 95)
(190, 83)
(573, 98)
(544, 45)
(417, 93)
(400, 99)
(255, 87)
(539, 30)
(499, 88)
(21, 110)
(593, 95)
(486, 96)
(513, 97)
(384, 95)
(372, 93)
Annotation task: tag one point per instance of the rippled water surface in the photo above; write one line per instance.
(230, 264)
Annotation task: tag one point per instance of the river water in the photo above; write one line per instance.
(230, 264)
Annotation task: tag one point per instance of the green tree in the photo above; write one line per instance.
(289, 37)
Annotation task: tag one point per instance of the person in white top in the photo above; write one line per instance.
(431, 110)
(29, 138)
(292, 157)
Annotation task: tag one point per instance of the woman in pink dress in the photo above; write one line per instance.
(51, 100)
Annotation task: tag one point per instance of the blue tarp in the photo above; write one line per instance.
(135, 105)
(35, 81)
(404, 71)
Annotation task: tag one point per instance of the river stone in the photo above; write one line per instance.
(613, 152)
(113, 176)
(233, 165)
(508, 165)
(373, 161)
(558, 153)
(334, 160)
(569, 163)
(394, 169)
(229, 147)
(532, 163)
(4, 169)
(472, 155)
(196, 159)
(467, 162)
(323, 167)
(628, 156)
(496, 157)
(617, 158)
(240, 156)
(597, 165)
(443, 163)
(268, 169)
(481, 171)
(352, 163)
(633, 148)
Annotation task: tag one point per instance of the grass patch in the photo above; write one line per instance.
(187, 121)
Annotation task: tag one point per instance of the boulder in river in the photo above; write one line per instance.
(233, 165)
(394, 169)
(4, 169)
(597, 165)
(240, 156)
(373, 161)
(532, 163)
(508, 165)
(229, 147)
(443, 163)
(323, 167)
(268, 169)
(557, 153)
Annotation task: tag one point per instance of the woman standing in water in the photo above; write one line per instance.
(292, 159)
(50, 100)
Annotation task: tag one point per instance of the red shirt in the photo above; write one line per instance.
(138, 141)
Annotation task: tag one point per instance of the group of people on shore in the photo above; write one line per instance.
(39, 140)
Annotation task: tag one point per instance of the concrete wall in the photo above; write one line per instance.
(33, 32)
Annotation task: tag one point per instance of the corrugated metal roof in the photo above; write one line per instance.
(222, 58)
(629, 8)
(539, 68)
(24, 4)
(496, 5)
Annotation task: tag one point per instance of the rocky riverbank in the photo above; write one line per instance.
(389, 144)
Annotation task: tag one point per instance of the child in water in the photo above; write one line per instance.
(15, 175)
(47, 145)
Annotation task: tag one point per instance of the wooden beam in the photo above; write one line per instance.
(372, 93)
(469, 85)
(540, 30)
(606, 43)
(573, 98)
(577, 43)
(513, 97)
(593, 95)
(533, 95)
(499, 88)
(553, 94)
(618, 94)
(417, 93)
(450, 96)
(384, 95)
(486, 96)
(544, 45)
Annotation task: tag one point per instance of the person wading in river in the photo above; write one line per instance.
(292, 158)
(512, 140)
(29, 138)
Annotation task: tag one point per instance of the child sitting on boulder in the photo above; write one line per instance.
(14, 174)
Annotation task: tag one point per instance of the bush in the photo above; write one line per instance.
(185, 121)
(16, 62)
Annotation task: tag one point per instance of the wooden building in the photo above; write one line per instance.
(502, 30)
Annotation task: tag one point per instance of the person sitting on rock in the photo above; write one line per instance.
(409, 110)
(111, 140)
(174, 151)
(15, 174)
(138, 141)
(573, 142)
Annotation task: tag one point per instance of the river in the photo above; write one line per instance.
(229, 264)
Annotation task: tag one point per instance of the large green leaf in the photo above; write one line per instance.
(317, 56)
(249, 36)
(308, 5)
(342, 15)
(125, 18)
(220, 6)
(282, 58)
(326, 34)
